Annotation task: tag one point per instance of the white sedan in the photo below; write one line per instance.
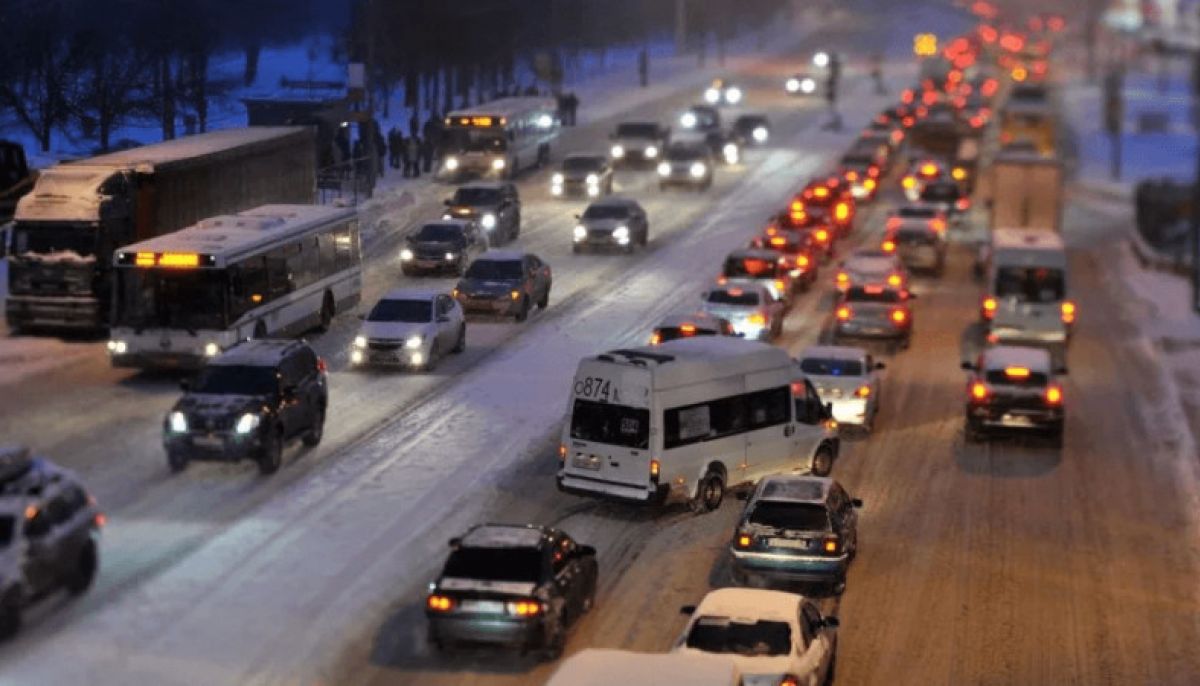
(411, 328)
(775, 638)
(847, 378)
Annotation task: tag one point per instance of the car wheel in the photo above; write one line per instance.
(1056, 437)
(709, 493)
(822, 462)
(176, 461)
(556, 642)
(829, 675)
(432, 362)
(544, 302)
(973, 432)
(317, 430)
(838, 586)
(327, 312)
(461, 344)
(271, 455)
(10, 618)
(523, 313)
(81, 577)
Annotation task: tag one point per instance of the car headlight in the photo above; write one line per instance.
(592, 179)
(698, 169)
(821, 59)
(791, 85)
(580, 232)
(413, 342)
(498, 164)
(731, 153)
(451, 163)
(651, 152)
(117, 347)
(211, 349)
(406, 255)
(488, 220)
(450, 257)
(447, 215)
(621, 232)
(688, 120)
(356, 357)
(712, 95)
(178, 422)
(760, 134)
(246, 423)
(618, 151)
(557, 179)
(664, 169)
(360, 341)
(733, 96)
(808, 85)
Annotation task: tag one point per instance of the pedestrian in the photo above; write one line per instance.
(394, 141)
(427, 153)
(380, 148)
(643, 68)
(572, 106)
(412, 162)
(877, 74)
(414, 124)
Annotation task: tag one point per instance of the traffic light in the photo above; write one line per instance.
(925, 45)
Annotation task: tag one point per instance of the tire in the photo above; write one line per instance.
(176, 461)
(973, 433)
(461, 344)
(822, 462)
(709, 493)
(10, 618)
(84, 573)
(327, 311)
(271, 456)
(523, 313)
(544, 302)
(317, 430)
(1056, 438)
(830, 676)
(556, 643)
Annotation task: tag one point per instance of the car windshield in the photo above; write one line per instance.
(628, 427)
(7, 526)
(495, 270)
(439, 233)
(476, 196)
(792, 516)
(638, 130)
(724, 635)
(733, 296)
(495, 564)
(1030, 284)
(915, 236)
(236, 379)
(606, 212)
(872, 294)
(821, 366)
(405, 311)
(583, 164)
(751, 267)
(940, 192)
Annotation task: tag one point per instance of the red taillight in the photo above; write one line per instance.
(863, 391)
(963, 204)
(524, 608)
(899, 316)
(977, 122)
(844, 313)
(100, 520)
(790, 680)
(893, 223)
(873, 171)
(321, 366)
(439, 603)
(979, 391)
(822, 236)
(1053, 395)
(888, 246)
(989, 308)
(1068, 312)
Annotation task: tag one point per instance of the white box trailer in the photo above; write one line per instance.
(1026, 191)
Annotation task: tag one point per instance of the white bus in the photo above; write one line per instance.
(498, 138)
(276, 270)
(685, 420)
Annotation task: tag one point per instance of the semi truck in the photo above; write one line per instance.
(1025, 190)
(66, 228)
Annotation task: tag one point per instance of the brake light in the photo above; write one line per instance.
(963, 204)
(1054, 395)
(852, 175)
(758, 319)
(977, 122)
(524, 608)
(802, 261)
(841, 211)
(907, 96)
(1016, 372)
(780, 285)
(744, 540)
(894, 280)
(899, 316)
(908, 121)
(888, 246)
(844, 313)
(863, 392)
(687, 329)
(831, 545)
(908, 182)
(321, 366)
(439, 603)
(989, 308)
(843, 279)
(721, 280)
(870, 184)
(1068, 312)
(821, 235)
(873, 171)
(654, 469)
(928, 169)
(778, 241)
(655, 338)
(979, 391)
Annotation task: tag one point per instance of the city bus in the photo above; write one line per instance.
(498, 138)
(273, 271)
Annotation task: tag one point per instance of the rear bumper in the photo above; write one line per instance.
(78, 313)
(500, 306)
(650, 494)
(488, 630)
(882, 332)
(787, 567)
(849, 411)
(1015, 419)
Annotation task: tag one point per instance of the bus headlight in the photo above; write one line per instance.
(451, 163)
(211, 349)
(618, 152)
(246, 423)
(733, 95)
(592, 179)
(580, 232)
(664, 169)
(651, 152)
(488, 220)
(698, 170)
(760, 134)
(792, 85)
(712, 95)
(178, 422)
(413, 342)
(557, 179)
(360, 341)
(688, 120)
(450, 257)
(730, 152)
(498, 164)
(406, 255)
(117, 347)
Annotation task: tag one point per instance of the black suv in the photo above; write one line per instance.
(513, 585)
(247, 403)
(49, 527)
(495, 205)
(505, 283)
(445, 246)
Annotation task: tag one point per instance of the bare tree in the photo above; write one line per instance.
(111, 87)
(42, 60)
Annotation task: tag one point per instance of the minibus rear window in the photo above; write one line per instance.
(627, 427)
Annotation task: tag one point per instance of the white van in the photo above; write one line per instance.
(683, 421)
(1026, 302)
(596, 667)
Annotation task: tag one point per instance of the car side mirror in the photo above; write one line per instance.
(454, 542)
(880, 365)
(830, 622)
(857, 502)
(585, 551)
(968, 367)
(687, 610)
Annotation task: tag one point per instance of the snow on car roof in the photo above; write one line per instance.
(603, 667)
(800, 489)
(833, 352)
(413, 294)
(504, 536)
(501, 256)
(751, 604)
(1001, 356)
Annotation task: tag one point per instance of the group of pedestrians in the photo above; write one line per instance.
(415, 152)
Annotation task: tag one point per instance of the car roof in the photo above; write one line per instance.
(751, 603)
(505, 536)
(833, 352)
(413, 294)
(486, 185)
(257, 352)
(1001, 356)
(614, 200)
(502, 256)
(794, 488)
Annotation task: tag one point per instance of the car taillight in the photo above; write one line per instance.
(790, 680)
(899, 316)
(842, 279)
(963, 204)
(908, 182)
(745, 540)
(844, 313)
(869, 184)
(863, 392)
(780, 285)
(852, 176)
(687, 329)
(1068, 312)
(894, 280)
(979, 391)
(989, 308)
(1053, 395)
(977, 122)
(908, 122)
(831, 545)
(524, 608)
(888, 246)
(100, 520)
(655, 468)
(321, 366)
(562, 452)
(841, 211)
(655, 338)
(797, 206)
(440, 603)
(802, 261)
(822, 236)
(758, 319)
(873, 171)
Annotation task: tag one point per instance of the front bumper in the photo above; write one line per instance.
(685, 179)
(419, 265)
(487, 629)
(214, 446)
(398, 356)
(789, 567)
(77, 313)
(575, 189)
(188, 361)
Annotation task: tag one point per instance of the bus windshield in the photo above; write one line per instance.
(1030, 284)
(475, 140)
(171, 298)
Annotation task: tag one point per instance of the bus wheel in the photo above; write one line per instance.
(327, 312)
(709, 493)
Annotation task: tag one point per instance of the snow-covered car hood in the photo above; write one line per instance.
(208, 406)
(604, 224)
(395, 330)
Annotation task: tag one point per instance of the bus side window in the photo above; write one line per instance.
(328, 258)
(248, 285)
(279, 279)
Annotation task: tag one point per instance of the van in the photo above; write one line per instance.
(596, 667)
(685, 420)
(1026, 301)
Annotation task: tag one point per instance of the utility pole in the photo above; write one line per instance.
(1114, 115)
(1195, 213)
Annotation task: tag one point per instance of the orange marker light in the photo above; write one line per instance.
(439, 603)
(899, 316)
(979, 391)
(863, 391)
(1068, 312)
(654, 468)
(744, 541)
(757, 319)
(844, 313)
(1054, 395)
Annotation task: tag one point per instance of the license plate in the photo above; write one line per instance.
(482, 606)
(209, 441)
(1016, 420)
(797, 543)
(585, 462)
